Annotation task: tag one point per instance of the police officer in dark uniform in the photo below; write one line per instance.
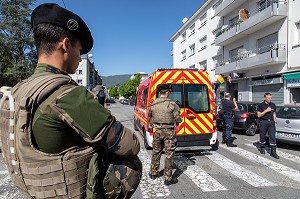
(266, 111)
(228, 107)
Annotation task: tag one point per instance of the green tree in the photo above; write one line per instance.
(18, 53)
(113, 92)
(128, 89)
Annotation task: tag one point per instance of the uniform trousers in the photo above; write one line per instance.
(227, 127)
(267, 126)
(163, 139)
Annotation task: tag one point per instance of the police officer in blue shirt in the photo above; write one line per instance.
(266, 111)
(228, 113)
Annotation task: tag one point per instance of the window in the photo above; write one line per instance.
(192, 49)
(79, 81)
(202, 43)
(203, 20)
(175, 95)
(264, 4)
(193, 66)
(183, 36)
(266, 43)
(216, 61)
(145, 96)
(203, 65)
(196, 96)
(297, 33)
(287, 112)
(183, 55)
(214, 34)
(192, 29)
(79, 72)
(234, 21)
(234, 53)
(217, 4)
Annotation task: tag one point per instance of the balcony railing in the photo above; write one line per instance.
(273, 53)
(259, 15)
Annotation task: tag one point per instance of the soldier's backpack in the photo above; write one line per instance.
(38, 174)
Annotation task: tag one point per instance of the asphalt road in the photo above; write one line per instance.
(235, 173)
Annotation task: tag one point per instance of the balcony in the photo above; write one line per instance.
(227, 6)
(257, 19)
(265, 56)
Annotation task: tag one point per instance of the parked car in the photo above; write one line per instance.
(245, 118)
(124, 101)
(288, 123)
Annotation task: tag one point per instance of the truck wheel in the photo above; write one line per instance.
(134, 125)
(146, 142)
(215, 146)
(251, 129)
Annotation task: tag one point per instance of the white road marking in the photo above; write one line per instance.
(202, 180)
(283, 155)
(4, 180)
(240, 172)
(151, 188)
(284, 170)
(4, 172)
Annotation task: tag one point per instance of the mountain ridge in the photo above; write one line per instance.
(115, 80)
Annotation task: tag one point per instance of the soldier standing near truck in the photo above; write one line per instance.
(165, 116)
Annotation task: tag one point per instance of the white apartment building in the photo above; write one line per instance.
(86, 75)
(193, 42)
(257, 44)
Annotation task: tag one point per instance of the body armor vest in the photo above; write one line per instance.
(161, 113)
(35, 173)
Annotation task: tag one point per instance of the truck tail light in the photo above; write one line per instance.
(245, 115)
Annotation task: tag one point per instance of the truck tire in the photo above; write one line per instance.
(215, 146)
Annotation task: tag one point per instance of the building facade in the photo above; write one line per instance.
(193, 42)
(86, 75)
(255, 47)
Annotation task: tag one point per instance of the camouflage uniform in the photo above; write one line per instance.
(118, 146)
(167, 111)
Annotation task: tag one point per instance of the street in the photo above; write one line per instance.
(235, 173)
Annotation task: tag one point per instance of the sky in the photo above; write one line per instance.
(131, 36)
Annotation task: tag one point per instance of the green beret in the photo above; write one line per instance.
(56, 15)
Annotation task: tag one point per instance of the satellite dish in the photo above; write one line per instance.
(184, 20)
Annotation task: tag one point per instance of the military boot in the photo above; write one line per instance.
(273, 152)
(262, 148)
(230, 142)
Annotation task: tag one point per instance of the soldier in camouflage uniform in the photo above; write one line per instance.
(165, 116)
(70, 118)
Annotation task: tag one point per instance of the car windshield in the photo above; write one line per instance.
(288, 112)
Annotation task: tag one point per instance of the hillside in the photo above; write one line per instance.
(114, 80)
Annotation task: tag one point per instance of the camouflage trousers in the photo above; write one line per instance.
(120, 180)
(163, 139)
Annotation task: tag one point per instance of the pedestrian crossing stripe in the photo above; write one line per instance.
(201, 179)
(284, 170)
(237, 170)
(284, 155)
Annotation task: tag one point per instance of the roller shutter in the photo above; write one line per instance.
(275, 89)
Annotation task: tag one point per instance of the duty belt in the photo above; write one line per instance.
(268, 119)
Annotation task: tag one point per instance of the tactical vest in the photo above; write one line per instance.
(35, 173)
(161, 114)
